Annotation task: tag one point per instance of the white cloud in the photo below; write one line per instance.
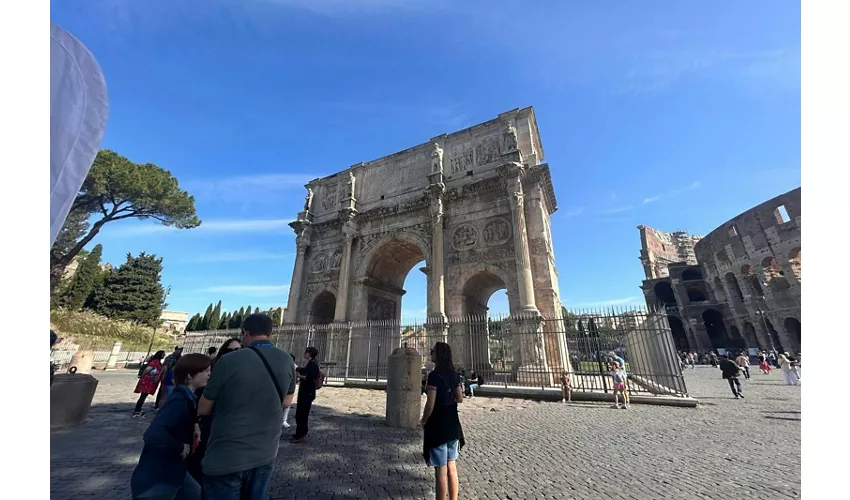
(252, 290)
(238, 256)
(574, 213)
(618, 210)
(626, 301)
(281, 226)
(229, 188)
(670, 194)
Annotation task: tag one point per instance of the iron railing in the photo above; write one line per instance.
(506, 351)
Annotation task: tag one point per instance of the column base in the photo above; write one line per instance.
(534, 375)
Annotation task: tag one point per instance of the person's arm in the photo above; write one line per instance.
(459, 393)
(429, 404)
(163, 429)
(290, 391)
(213, 388)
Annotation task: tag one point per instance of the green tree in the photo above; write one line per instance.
(205, 320)
(215, 317)
(277, 316)
(85, 281)
(246, 313)
(256, 310)
(236, 320)
(116, 189)
(194, 321)
(133, 291)
(223, 324)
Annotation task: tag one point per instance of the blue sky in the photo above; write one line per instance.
(675, 114)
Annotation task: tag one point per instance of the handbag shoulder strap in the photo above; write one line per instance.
(271, 373)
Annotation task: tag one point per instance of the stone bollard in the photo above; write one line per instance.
(71, 395)
(113, 356)
(82, 362)
(404, 388)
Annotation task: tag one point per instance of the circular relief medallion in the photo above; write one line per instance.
(464, 237)
(497, 232)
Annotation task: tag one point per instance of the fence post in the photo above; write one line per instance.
(113, 356)
(347, 355)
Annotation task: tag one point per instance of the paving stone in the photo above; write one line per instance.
(525, 450)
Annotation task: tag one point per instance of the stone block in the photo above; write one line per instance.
(70, 399)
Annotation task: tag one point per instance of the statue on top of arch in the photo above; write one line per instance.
(436, 159)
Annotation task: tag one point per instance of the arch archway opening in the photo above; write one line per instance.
(795, 259)
(320, 336)
(716, 329)
(489, 346)
(776, 343)
(696, 293)
(723, 259)
(736, 339)
(750, 335)
(732, 281)
(691, 274)
(793, 327)
(664, 295)
(677, 329)
(392, 270)
(719, 291)
(752, 280)
(773, 274)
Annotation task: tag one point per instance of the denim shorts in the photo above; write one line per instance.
(441, 455)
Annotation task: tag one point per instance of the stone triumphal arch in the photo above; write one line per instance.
(475, 205)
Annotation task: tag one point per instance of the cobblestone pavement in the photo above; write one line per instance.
(516, 449)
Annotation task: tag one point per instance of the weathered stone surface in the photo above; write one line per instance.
(404, 390)
(745, 274)
(458, 201)
(515, 448)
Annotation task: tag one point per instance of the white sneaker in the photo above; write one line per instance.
(616, 407)
(563, 400)
(286, 425)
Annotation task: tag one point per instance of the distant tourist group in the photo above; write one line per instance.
(733, 366)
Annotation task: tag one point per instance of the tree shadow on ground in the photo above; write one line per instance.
(347, 456)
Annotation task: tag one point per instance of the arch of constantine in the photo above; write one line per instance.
(475, 205)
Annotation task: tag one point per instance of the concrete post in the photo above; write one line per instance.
(81, 362)
(404, 388)
(113, 356)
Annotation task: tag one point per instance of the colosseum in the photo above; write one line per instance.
(737, 287)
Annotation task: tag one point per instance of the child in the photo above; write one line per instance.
(566, 388)
(619, 377)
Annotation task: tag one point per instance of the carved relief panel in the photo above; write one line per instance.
(381, 308)
(329, 198)
(461, 158)
(487, 150)
(497, 232)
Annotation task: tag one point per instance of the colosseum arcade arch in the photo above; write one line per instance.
(664, 294)
(715, 326)
(677, 328)
(794, 330)
(480, 196)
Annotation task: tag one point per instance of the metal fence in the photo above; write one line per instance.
(506, 351)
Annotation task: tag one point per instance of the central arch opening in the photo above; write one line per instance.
(386, 278)
(664, 294)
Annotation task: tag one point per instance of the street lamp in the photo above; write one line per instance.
(762, 315)
(165, 295)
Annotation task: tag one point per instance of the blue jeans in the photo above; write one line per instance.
(190, 490)
(472, 388)
(251, 484)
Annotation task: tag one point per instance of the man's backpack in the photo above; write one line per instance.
(320, 380)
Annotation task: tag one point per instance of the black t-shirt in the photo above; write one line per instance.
(311, 373)
(444, 382)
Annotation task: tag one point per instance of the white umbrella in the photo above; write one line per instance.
(78, 109)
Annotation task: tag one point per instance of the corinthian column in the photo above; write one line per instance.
(436, 295)
(348, 232)
(525, 280)
(302, 241)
